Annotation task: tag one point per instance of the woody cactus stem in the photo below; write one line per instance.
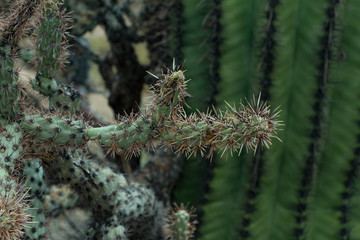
(230, 130)
(165, 122)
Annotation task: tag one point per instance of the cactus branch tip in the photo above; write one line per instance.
(261, 123)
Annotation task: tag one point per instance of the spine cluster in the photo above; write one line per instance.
(181, 223)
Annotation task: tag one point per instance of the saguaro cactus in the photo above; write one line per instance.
(300, 54)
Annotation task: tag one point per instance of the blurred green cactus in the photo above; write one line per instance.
(301, 55)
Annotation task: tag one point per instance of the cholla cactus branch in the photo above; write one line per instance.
(113, 230)
(181, 224)
(164, 122)
(108, 193)
(54, 25)
(57, 130)
(60, 198)
(231, 130)
(61, 97)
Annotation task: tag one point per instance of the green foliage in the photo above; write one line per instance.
(239, 55)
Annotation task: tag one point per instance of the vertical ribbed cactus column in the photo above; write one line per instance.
(238, 64)
(333, 198)
(302, 56)
(294, 82)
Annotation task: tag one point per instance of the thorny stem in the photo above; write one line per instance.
(165, 123)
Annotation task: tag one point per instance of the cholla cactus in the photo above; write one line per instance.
(52, 138)
(164, 122)
(181, 223)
